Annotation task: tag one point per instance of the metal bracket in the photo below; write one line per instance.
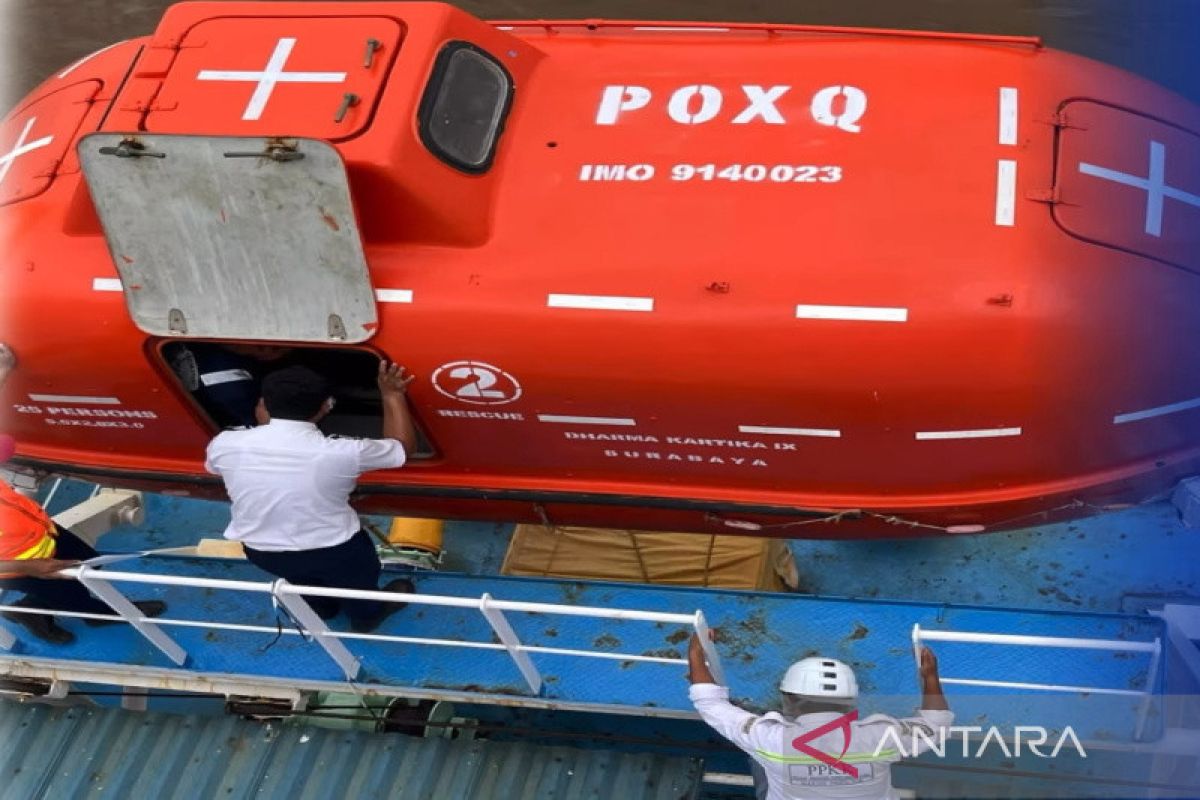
(51, 688)
(508, 638)
(1151, 685)
(176, 321)
(302, 612)
(134, 701)
(278, 150)
(349, 101)
(26, 483)
(102, 512)
(1060, 120)
(131, 148)
(1047, 196)
(373, 47)
(337, 328)
(118, 602)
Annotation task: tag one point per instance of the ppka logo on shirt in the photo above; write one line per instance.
(842, 723)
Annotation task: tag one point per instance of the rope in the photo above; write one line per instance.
(281, 612)
(893, 519)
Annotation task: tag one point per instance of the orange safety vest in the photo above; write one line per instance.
(26, 530)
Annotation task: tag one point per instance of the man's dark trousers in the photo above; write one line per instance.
(57, 593)
(353, 564)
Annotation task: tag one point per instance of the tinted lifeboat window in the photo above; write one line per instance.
(464, 107)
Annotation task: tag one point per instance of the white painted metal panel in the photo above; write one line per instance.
(214, 238)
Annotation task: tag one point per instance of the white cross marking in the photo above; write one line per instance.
(21, 148)
(270, 76)
(1154, 185)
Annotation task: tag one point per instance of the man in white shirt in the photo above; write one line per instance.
(290, 486)
(818, 748)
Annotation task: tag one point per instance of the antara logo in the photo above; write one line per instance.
(1032, 736)
(925, 738)
(842, 723)
(840, 107)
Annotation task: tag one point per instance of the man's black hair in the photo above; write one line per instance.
(294, 393)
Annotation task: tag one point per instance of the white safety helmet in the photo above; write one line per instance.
(820, 678)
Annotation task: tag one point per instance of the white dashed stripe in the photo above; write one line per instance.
(107, 285)
(88, 58)
(394, 295)
(622, 421)
(1008, 115)
(858, 313)
(825, 432)
(71, 398)
(1006, 192)
(985, 433)
(600, 302)
(1150, 413)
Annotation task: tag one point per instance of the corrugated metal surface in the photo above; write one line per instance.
(85, 752)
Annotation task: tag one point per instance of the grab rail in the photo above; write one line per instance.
(288, 595)
(770, 29)
(1154, 648)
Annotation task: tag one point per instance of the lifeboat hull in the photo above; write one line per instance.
(792, 281)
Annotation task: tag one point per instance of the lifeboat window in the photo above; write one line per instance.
(222, 380)
(464, 107)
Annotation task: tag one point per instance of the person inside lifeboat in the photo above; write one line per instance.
(226, 379)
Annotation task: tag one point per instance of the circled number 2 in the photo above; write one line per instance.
(480, 387)
(476, 382)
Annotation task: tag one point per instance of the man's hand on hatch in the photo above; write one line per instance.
(392, 379)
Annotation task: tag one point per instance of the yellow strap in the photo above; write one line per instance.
(882, 755)
(43, 549)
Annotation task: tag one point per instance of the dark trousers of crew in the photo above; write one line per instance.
(353, 564)
(60, 595)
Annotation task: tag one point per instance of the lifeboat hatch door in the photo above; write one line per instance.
(232, 237)
(1130, 182)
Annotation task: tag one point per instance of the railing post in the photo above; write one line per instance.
(119, 603)
(302, 612)
(508, 638)
(710, 651)
(916, 643)
(1151, 685)
(7, 640)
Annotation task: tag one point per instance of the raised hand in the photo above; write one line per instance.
(392, 379)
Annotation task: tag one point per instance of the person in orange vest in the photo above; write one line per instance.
(32, 551)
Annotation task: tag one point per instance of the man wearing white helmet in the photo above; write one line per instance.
(818, 748)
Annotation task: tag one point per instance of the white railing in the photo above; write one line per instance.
(308, 623)
(1154, 648)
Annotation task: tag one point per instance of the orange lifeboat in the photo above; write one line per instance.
(806, 281)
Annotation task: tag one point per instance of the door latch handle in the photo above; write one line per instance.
(349, 101)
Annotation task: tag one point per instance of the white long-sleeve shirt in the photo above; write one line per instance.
(793, 773)
(290, 484)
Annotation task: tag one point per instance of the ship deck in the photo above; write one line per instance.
(1091, 579)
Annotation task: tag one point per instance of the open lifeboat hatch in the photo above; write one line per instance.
(232, 237)
(351, 373)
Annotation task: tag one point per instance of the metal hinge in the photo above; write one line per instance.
(1060, 120)
(1048, 196)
